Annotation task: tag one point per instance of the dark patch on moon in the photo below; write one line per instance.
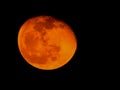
(62, 25)
(51, 51)
(28, 40)
(39, 26)
(39, 59)
(48, 24)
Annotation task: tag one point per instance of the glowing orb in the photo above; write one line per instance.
(46, 42)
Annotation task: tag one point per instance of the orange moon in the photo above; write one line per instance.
(46, 43)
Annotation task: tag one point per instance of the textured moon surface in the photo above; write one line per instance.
(46, 42)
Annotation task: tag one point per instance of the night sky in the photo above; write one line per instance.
(81, 18)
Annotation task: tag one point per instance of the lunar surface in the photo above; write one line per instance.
(46, 42)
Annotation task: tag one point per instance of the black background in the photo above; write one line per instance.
(85, 18)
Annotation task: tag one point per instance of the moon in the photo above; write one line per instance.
(46, 42)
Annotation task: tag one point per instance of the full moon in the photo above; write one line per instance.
(46, 42)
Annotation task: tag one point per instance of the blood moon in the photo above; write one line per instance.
(46, 42)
